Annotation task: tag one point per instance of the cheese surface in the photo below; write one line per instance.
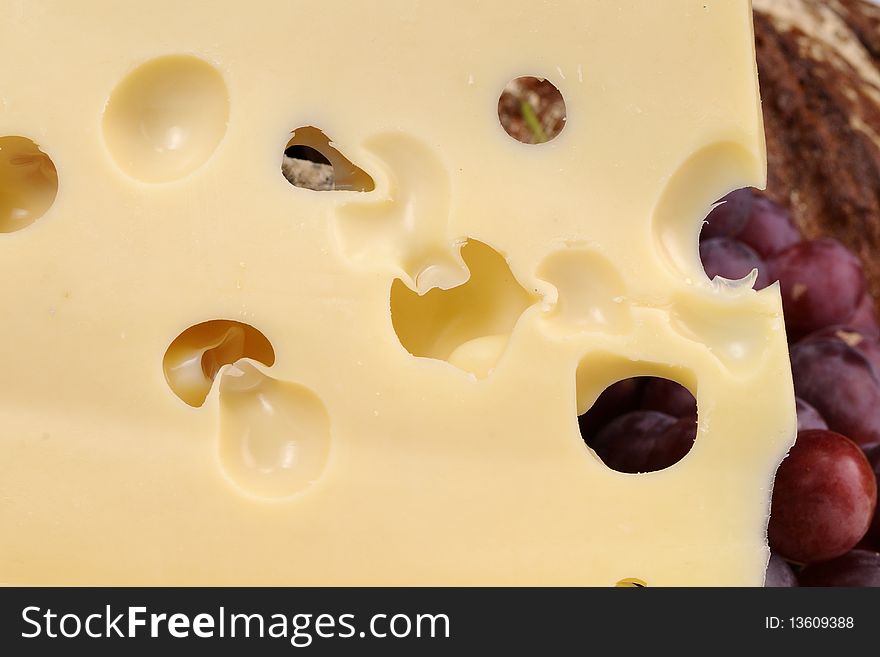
(214, 377)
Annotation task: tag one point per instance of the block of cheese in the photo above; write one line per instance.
(211, 376)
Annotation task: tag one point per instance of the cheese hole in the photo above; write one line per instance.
(469, 325)
(166, 118)
(639, 424)
(274, 435)
(194, 357)
(631, 583)
(689, 194)
(405, 228)
(28, 183)
(312, 161)
(591, 294)
(307, 154)
(531, 110)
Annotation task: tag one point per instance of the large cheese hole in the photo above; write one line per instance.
(28, 183)
(166, 118)
(689, 195)
(641, 424)
(531, 110)
(469, 325)
(194, 357)
(313, 162)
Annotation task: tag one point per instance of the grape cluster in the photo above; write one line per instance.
(824, 525)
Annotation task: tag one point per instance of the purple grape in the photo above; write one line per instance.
(668, 397)
(730, 258)
(841, 384)
(865, 317)
(823, 498)
(673, 444)
(822, 284)
(644, 441)
(856, 568)
(872, 452)
(861, 342)
(618, 398)
(626, 442)
(779, 573)
(808, 417)
(769, 228)
(728, 218)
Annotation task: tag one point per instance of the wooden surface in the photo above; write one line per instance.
(819, 66)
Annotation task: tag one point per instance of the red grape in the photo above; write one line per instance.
(618, 398)
(865, 317)
(779, 573)
(823, 498)
(822, 284)
(728, 218)
(807, 416)
(841, 384)
(730, 258)
(644, 441)
(856, 568)
(668, 397)
(769, 229)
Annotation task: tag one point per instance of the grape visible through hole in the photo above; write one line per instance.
(673, 444)
(770, 228)
(668, 397)
(729, 217)
(618, 398)
(823, 498)
(731, 259)
(644, 441)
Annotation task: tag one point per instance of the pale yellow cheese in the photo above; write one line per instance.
(406, 409)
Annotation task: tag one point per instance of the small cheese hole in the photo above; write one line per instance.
(194, 357)
(306, 153)
(632, 583)
(531, 110)
(28, 183)
(312, 161)
(467, 326)
(641, 424)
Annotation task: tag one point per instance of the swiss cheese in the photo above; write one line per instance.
(211, 376)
